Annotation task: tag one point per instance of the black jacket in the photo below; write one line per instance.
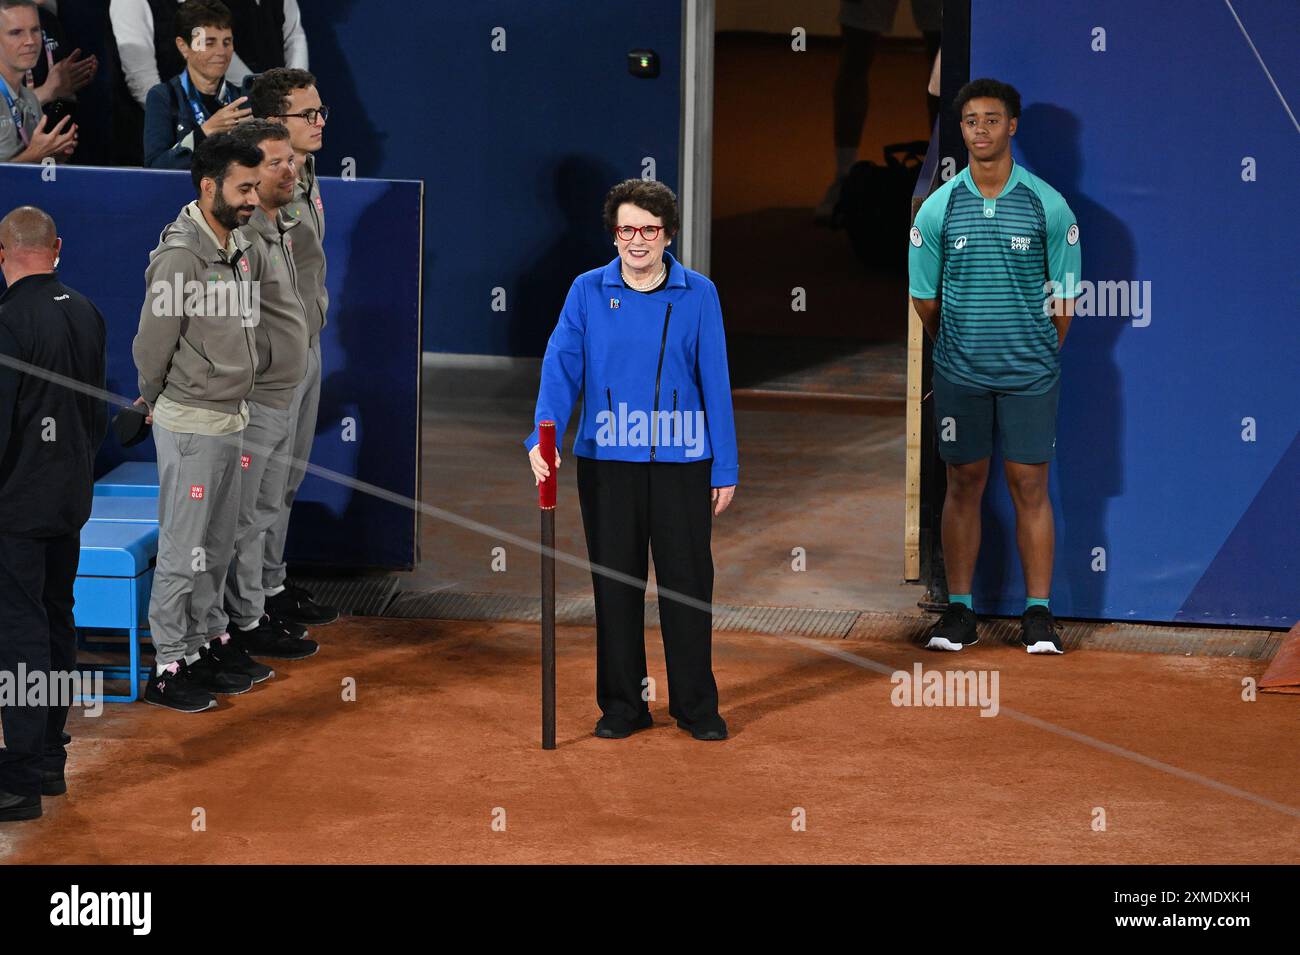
(49, 432)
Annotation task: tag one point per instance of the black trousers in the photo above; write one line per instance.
(627, 506)
(36, 630)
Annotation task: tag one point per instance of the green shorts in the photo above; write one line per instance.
(965, 418)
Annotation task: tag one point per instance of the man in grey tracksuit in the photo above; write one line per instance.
(290, 98)
(282, 348)
(196, 355)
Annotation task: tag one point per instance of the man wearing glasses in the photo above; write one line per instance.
(289, 96)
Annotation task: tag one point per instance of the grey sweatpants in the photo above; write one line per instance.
(306, 403)
(198, 503)
(268, 441)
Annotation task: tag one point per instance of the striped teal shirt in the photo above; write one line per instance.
(997, 262)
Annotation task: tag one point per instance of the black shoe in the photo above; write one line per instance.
(712, 729)
(268, 640)
(610, 728)
(175, 690)
(955, 629)
(53, 783)
(15, 808)
(288, 627)
(1039, 631)
(208, 672)
(296, 604)
(232, 657)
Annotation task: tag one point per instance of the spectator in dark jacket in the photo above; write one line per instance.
(52, 421)
(182, 112)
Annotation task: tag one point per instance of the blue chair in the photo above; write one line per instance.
(130, 479)
(112, 591)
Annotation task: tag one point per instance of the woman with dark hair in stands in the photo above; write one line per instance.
(183, 111)
(642, 339)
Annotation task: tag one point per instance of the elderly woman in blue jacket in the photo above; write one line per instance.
(642, 340)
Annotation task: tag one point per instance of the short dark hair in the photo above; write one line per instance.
(648, 194)
(269, 94)
(18, 4)
(193, 14)
(992, 89)
(254, 132)
(217, 153)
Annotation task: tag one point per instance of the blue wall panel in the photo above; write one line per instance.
(1146, 140)
(110, 220)
(517, 148)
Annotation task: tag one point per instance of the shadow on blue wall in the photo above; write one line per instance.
(1089, 470)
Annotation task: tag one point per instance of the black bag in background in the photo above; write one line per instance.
(875, 206)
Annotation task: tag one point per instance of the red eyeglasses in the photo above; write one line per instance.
(648, 232)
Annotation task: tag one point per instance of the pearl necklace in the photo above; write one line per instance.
(649, 285)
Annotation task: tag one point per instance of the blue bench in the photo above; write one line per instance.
(124, 510)
(112, 590)
(130, 479)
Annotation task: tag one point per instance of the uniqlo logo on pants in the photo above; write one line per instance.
(196, 492)
(244, 461)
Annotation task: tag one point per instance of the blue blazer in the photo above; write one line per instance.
(652, 368)
(171, 130)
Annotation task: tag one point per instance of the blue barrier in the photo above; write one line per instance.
(110, 220)
(1177, 487)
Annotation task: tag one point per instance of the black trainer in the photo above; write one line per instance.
(955, 629)
(712, 729)
(53, 783)
(608, 728)
(209, 672)
(15, 808)
(288, 627)
(232, 656)
(1039, 631)
(174, 689)
(268, 640)
(296, 603)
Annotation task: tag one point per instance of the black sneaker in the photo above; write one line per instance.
(608, 728)
(174, 689)
(232, 656)
(268, 640)
(712, 729)
(288, 627)
(53, 783)
(955, 629)
(209, 672)
(1039, 631)
(15, 808)
(296, 604)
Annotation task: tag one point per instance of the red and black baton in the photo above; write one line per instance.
(546, 501)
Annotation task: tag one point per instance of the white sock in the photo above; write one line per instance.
(272, 591)
(164, 666)
(845, 157)
(251, 626)
(191, 658)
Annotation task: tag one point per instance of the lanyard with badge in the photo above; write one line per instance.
(200, 112)
(15, 111)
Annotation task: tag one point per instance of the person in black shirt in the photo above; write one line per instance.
(180, 113)
(51, 425)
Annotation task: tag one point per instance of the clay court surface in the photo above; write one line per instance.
(445, 729)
